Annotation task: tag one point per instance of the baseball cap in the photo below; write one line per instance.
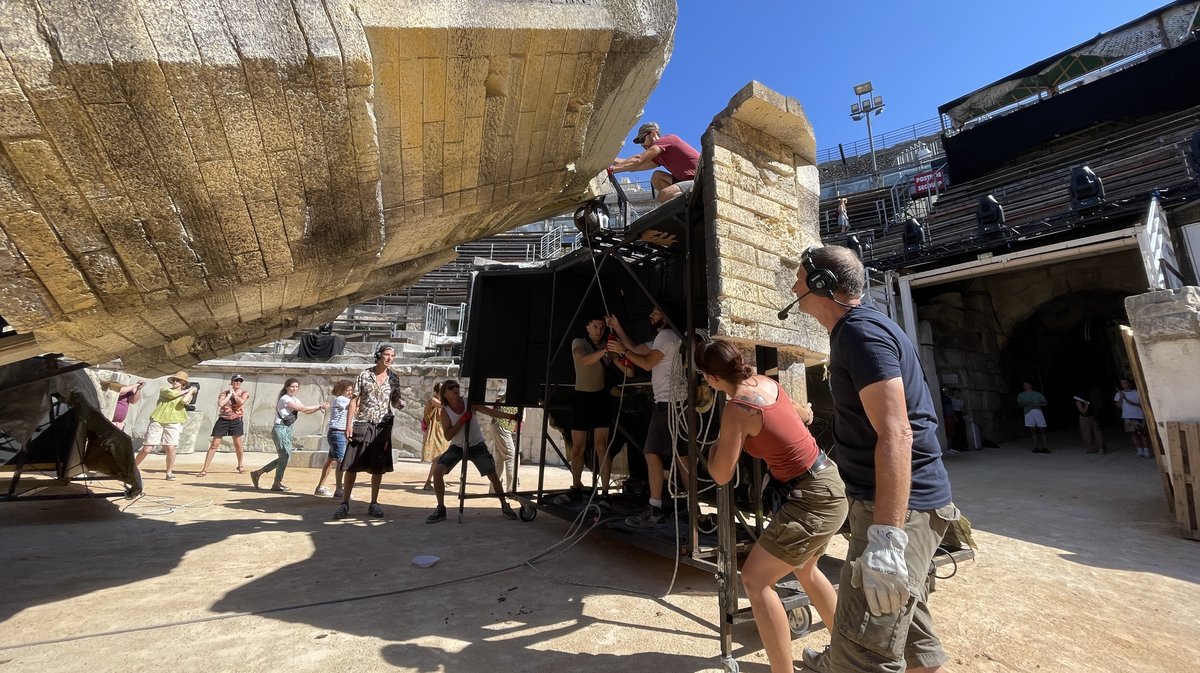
(236, 377)
(644, 130)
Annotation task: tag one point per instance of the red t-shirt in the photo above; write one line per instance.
(784, 441)
(678, 157)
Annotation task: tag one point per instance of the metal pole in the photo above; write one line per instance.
(871, 144)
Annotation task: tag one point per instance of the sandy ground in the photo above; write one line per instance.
(1080, 569)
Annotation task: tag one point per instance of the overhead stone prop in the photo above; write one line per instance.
(184, 179)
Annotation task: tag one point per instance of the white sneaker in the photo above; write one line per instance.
(321, 490)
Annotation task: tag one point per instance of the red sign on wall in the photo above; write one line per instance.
(929, 181)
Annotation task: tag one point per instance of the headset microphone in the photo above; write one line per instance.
(783, 315)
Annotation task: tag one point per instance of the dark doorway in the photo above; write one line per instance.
(1069, 346)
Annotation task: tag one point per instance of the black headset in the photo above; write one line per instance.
(821, 282)
(384, 347)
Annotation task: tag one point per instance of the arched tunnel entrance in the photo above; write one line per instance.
(1069, 346)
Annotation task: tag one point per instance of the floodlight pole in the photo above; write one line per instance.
(865, 107)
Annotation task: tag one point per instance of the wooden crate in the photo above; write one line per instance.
(1183, 473)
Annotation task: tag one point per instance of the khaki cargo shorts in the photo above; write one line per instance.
(811, 516)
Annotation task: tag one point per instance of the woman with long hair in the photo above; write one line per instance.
(762, 420)
(287, 410)
(435, 440)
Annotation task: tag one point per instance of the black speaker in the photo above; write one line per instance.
(989, 215)
(1087, 190)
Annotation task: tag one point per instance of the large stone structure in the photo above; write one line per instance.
(183, 180)
(761, 189)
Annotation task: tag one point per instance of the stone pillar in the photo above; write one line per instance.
(761, 192)
(1166, 328)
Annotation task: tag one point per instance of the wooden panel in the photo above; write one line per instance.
(1183, 458)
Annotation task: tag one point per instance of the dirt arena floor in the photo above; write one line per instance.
(1079, 569)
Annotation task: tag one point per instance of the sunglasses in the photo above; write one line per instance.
(451, 387)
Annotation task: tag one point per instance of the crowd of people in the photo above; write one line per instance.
(359, 433)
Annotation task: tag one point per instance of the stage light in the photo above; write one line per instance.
(1087, 190)
(914, 235)
(856, 246)
(1194, 153)
(989, 215)
(863, 89)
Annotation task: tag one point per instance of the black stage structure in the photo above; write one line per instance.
(520, 325)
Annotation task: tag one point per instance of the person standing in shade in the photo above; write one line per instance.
(1089, 429)
(660, 357)
(434, 444)
(670, 152)
(761, 419)
(1129, 401)
(336, 435)
(886, 443)
(230, 406)
(369, 429)
(126, 396)
(504, 449)
(287, 409)
(167, 419)
(466, 441)
(1031, 403)
(590, 409)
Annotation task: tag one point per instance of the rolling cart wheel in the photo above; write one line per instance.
(800, 620)
(527, 512)
(730, 664)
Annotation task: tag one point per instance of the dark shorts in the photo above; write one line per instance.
(227, 427)
(590, 410)
(1133, 425)
(477, 454)
(658, 434)
(370, 449)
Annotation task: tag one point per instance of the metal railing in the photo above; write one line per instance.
(882, 141)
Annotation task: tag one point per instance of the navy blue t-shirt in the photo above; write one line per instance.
(866, 347)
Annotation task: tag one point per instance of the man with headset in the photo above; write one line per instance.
(885, 440)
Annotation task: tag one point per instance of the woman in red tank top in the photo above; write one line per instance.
(761, 419)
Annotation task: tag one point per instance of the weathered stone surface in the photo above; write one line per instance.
(1166, 328)
(761, 184)
(203, 176)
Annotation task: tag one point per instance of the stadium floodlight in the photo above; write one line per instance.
(863, 108)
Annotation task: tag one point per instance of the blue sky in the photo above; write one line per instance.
(918, 55)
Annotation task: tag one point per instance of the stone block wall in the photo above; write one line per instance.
(1166, 328)
(180, 181)
(762, 194)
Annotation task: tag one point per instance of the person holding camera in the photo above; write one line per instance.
(167, 419)
(287, 409)
(230, 404)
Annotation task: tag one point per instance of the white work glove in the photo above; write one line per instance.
(881, 571)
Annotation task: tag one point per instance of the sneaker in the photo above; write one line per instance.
(816, 660)
(652, 516)
(575, 494)
(170, 477)
(374, 509)
(337, 493)
(439, 514)
(254, 479)
(507, 510)
(321, 490)
(280, 488)
(342, 510)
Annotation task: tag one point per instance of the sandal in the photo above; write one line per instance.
(241, 470)
(202, 473)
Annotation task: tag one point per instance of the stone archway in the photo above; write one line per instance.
(1068, 346)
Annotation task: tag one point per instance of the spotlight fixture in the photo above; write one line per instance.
(1087, 190)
